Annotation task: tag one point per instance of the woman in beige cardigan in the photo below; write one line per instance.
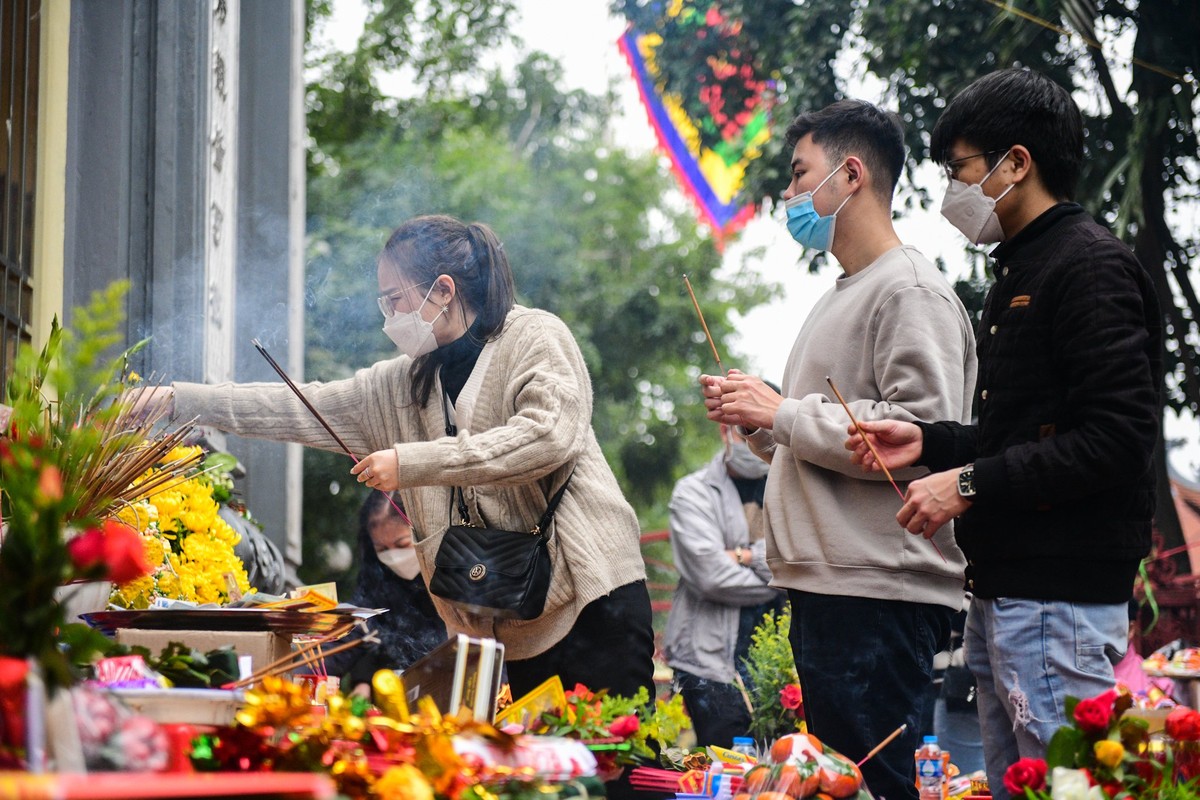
(494, 398)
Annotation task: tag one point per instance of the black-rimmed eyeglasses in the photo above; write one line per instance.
(953, 164)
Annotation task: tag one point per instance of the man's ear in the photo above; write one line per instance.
(856, 172)
(1022, 163)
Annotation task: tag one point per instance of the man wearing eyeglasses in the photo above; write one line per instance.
(1057, 492)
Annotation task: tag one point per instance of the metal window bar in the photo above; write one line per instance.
(20, 30)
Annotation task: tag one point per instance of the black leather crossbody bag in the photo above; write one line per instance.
(491, 571)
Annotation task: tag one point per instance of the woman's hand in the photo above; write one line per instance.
(146, 402)
(380, 470)
(898, 443)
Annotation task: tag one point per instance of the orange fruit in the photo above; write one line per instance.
(773, 796)
(840, 777)
(781, 749)
(757, 778)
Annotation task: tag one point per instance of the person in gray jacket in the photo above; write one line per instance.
(717, 541)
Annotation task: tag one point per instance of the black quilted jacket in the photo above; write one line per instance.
(1068, 402)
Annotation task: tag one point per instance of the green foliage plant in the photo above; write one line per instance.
(771, 669)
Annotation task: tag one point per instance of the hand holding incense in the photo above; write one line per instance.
(317, 414)
(874, 452)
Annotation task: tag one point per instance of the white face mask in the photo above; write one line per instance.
(402, 561)
(411, 332)
(742, 463)
(967, 208)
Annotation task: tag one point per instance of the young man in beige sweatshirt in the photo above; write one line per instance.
(871, 606)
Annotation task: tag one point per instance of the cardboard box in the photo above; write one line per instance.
(263, 647)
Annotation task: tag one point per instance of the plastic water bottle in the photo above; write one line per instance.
(745, 746)
(931, 774)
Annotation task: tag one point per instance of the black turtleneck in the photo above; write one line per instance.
(458, 359)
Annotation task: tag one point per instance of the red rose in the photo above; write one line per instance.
(124, 552)
(1183, 724)
(790, 696)
(115, 546)
(12, 672)
(1094, 714)
(1029, 772)
(624, 727)
(87, 550)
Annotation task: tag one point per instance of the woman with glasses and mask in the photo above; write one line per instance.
(493, 398)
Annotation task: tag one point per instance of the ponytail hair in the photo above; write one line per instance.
(424, 248)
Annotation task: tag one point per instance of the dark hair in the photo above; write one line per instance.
(425, 247)
(412, 627)
(856, 128)
(1017, 106)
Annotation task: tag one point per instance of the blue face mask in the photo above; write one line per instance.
(808, 227)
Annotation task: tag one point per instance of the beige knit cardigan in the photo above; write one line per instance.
(524, 421)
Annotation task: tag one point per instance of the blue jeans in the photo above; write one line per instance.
(865, 666)
(1027, 657)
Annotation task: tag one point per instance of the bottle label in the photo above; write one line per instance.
(929, 767)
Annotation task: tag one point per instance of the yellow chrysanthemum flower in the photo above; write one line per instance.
(186, 540)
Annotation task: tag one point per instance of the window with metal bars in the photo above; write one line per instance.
(19, 50)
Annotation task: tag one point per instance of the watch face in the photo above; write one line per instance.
(966, 482)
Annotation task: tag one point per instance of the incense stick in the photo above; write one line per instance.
(874, 452)
(298, 656)
(703, 324)
(296, 389)
(883, 744)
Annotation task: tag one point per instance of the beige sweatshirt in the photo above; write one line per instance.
(523, 423)
(898, 344)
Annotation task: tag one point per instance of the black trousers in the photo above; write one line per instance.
(610, 647)
(718, 710)
(865, 667)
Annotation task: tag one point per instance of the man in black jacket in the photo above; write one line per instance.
(1057, 492)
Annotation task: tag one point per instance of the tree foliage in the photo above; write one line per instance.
(1140, 107)
(585, 226)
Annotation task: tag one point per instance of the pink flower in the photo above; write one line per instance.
(1029, 772)
(790, 696)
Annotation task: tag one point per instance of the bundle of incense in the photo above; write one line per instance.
(301, 656)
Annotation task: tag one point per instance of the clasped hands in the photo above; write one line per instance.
(930, 502)
(740, 399)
